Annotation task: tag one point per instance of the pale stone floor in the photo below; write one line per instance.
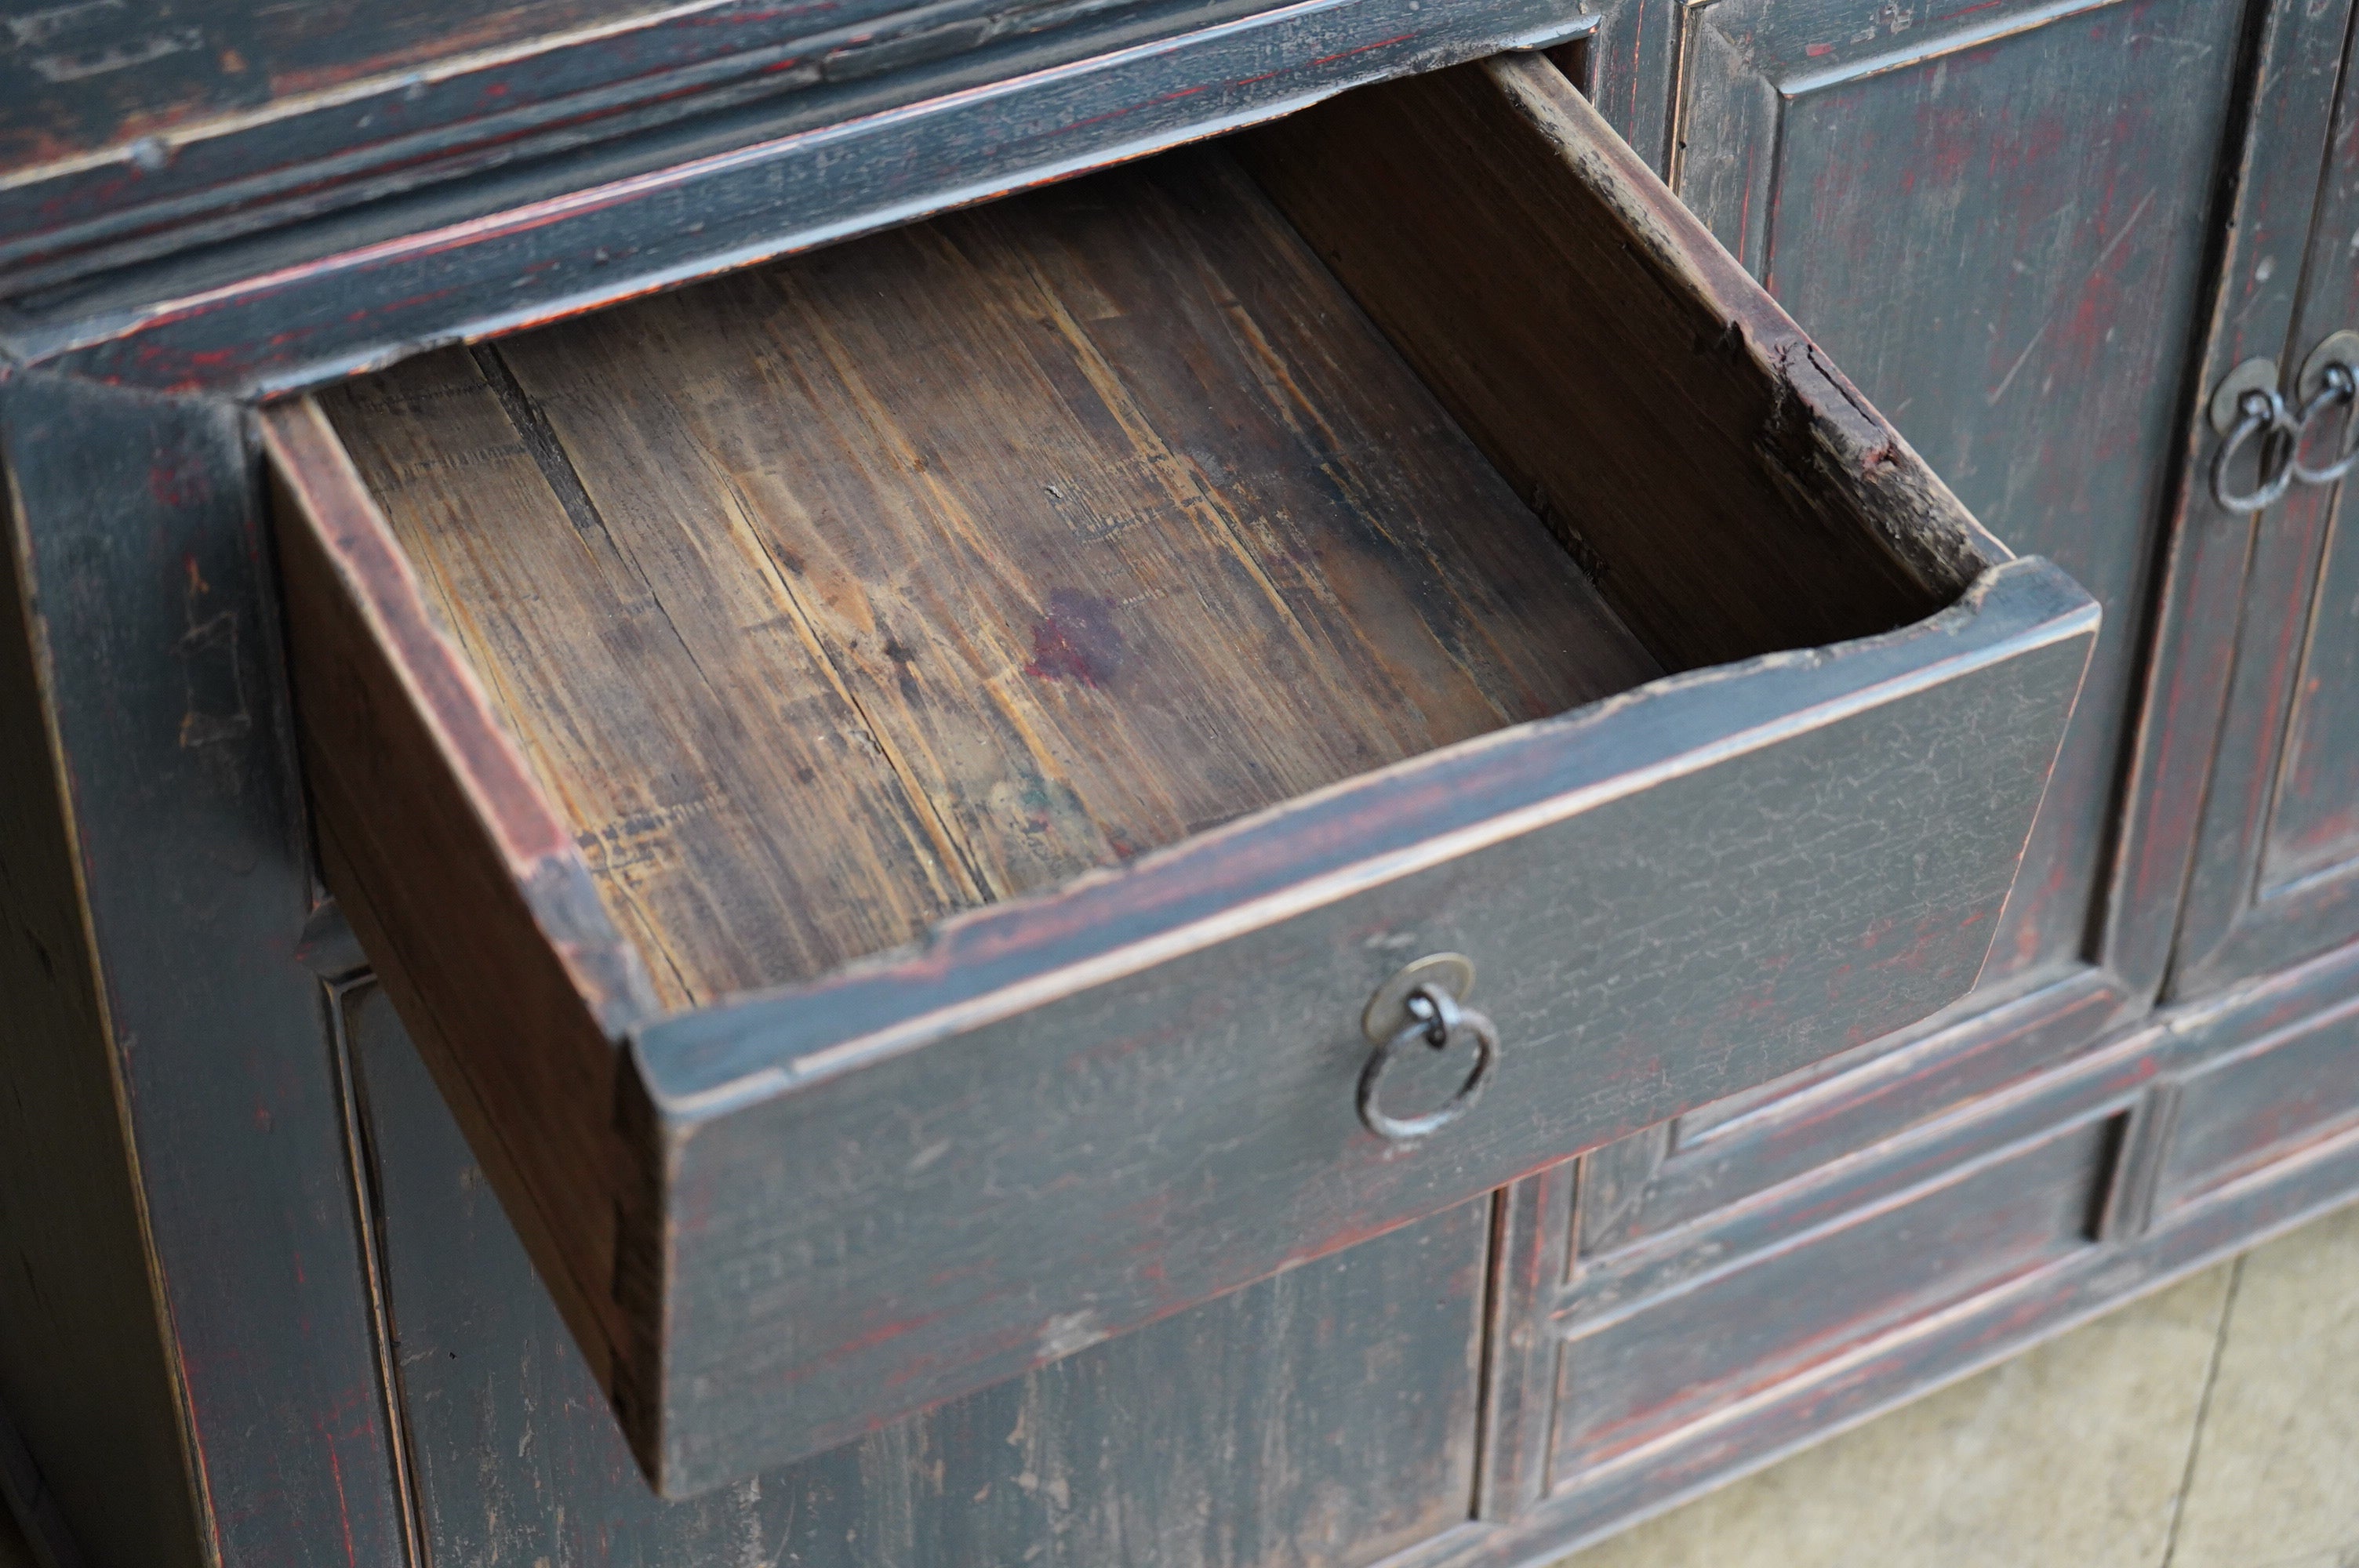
(2214, 1424)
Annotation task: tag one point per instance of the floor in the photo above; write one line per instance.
(2212, 1425)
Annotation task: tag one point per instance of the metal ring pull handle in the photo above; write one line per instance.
(2340, 388)
(1435, 1018)
(2258, 410)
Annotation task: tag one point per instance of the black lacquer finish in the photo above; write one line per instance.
(2080, 217)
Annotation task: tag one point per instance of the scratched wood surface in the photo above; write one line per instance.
(2275, 877)
(1535, 304)
(1161, 381)
(982, 552)
(2000, 223)
(85, 1380)
(82, 78)
(2023, 330)
(1320, 1420)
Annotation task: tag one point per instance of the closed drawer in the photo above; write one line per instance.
(896, 791)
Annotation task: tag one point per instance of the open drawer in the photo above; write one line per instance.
(906, 794)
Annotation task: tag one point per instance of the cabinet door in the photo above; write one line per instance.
(2277, 866)
(1324, 1417)
(1997, 217)
(2003, 220)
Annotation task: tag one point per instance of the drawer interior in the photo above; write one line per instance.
(1398, 529)
(938, 566)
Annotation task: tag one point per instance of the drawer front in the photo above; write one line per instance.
(1330, 1412)
(777, 1220)
(1089, 1163)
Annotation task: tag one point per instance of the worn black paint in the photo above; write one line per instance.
(142, 557)
(1049, 1169)
(1802, 1230)
(1998, 221)
(286, 310)
(1325, 1418)
(85, 1375)
(1936, 241)
(2297, 61)
(254, 1438)
(408, 129)
(2276, 875)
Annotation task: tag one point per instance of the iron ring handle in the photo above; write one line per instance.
(1434, 1018)
(2342, 386)
(2258, 411)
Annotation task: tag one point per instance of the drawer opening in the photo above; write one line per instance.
(883, 784)
(939, 567)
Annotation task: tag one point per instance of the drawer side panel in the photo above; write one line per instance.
(463, 891)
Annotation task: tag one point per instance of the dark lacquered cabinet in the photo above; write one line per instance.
(2277, 845)
(349, 1222)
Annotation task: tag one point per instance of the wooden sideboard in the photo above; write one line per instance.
(261, 1300)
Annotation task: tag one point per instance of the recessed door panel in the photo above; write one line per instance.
(1996, 218)
(2276, 864)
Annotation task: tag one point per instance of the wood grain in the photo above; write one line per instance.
(981, 553)
(468, 896)
(1638, 1376)
(1114, 489)
(1546, 286)
(737, 816)
(1323, 1418)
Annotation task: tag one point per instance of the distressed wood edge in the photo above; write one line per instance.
(2129, 1071)
(1836, 435)
(361, 294)
(2123, 1076)
(2136, 1060)
(2129, 1068)
(536, 1227)
(2132, 1196)
(697, 1154)
(22, 599)
(587, 91)
(333, 503)
(1531, 1251)
(980, 966)
(1849, 1114)
(555, 1136)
